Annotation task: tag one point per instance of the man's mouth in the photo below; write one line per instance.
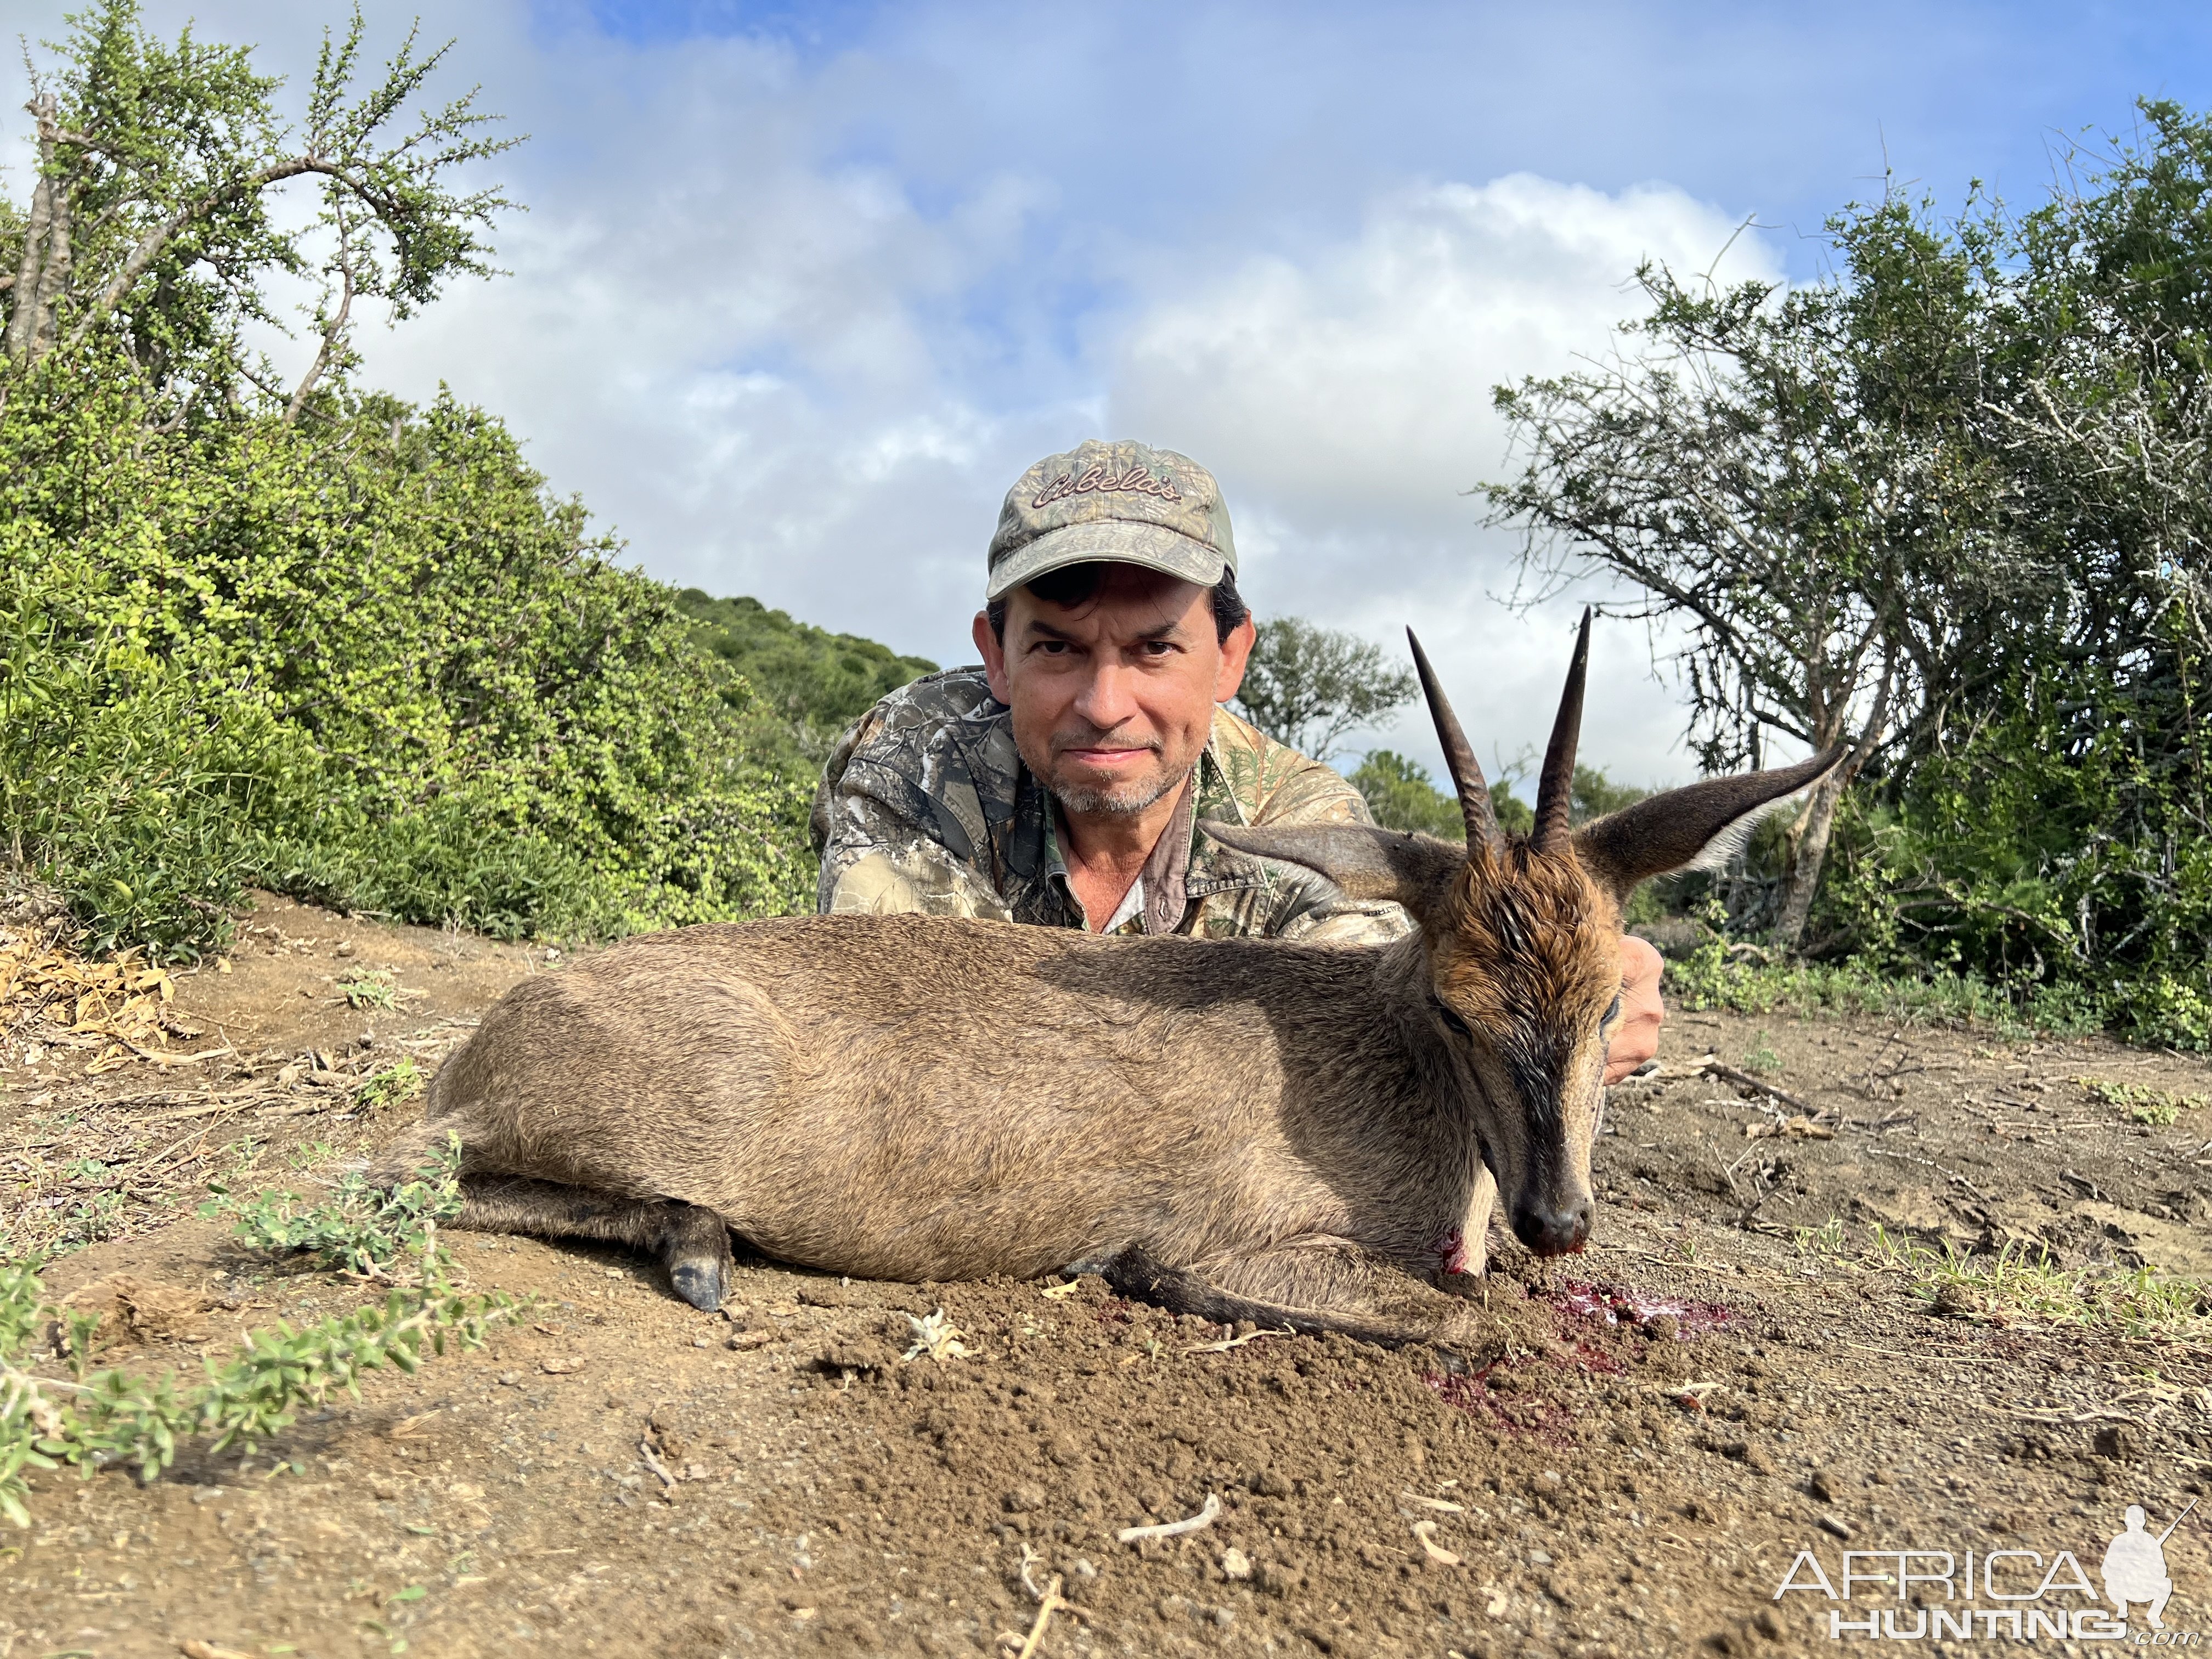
(1106, 760)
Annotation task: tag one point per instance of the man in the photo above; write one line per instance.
(1060, 783)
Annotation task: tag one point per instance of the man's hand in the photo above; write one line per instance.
(1635, 1039)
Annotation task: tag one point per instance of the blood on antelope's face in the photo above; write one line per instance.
(1523, 938)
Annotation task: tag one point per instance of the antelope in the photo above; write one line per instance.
(1306, 1135)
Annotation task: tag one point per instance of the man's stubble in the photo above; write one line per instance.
(1122, 800)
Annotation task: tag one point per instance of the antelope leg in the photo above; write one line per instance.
(692, 1243)
(1312, 1289)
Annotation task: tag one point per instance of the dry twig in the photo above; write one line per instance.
(1205, 1518)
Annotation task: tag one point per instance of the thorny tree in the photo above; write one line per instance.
(1786, 474)
(153, 215)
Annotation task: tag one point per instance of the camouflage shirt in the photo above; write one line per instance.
(926, 806)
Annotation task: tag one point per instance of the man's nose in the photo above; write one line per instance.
(1105, 701)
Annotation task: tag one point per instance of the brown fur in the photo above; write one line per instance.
(1300, 1130)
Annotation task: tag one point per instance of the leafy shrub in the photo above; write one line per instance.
(366, 659)
(364, 1230)
(1402, 796)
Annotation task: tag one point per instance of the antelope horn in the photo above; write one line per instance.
(1557, 787)
(1459, 756)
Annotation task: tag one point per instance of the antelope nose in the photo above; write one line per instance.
(1552, 1229)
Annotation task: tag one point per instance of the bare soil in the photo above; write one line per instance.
(1632, 1465)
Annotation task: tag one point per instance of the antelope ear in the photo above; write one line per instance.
(1701, 827)
(1367, 863)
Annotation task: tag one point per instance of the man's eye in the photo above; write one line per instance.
(1158, 648)
(1613, 1013)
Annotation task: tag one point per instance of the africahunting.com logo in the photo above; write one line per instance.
(2005, 1595)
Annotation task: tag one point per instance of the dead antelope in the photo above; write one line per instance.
(1243, 1128)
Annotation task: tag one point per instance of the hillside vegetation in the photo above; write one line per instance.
(808, 683)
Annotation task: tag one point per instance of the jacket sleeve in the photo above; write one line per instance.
(878, 861)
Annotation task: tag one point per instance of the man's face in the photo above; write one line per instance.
(1114, 699)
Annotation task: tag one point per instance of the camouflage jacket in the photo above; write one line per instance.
(924, 807)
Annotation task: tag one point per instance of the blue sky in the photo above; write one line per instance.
(803, 287)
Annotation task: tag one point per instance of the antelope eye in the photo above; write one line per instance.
(1454, 1020)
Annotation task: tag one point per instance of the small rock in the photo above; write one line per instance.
(1083, 1569)
(1172, 1607)
(208, 1494)
(1224, 1617)
(1025, 1500)
(465, 1491)
(1665, 1328)
(1234, 1564)
(510, 1379)
(1549, 1481)
(561, 1365)
(744, 1340)
(1825, 1485)
(1539, 1557)
(1266, 1483)
(1836, 1529)
(702, 1342)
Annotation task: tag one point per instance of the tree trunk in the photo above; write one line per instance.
(28, 322)
(1810, 853)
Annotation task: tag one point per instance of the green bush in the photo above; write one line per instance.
(813, 682)
(367, 659)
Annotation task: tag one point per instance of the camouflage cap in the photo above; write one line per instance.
(1123, 502)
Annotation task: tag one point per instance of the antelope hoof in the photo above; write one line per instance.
(702, 1283)
(698, 1252)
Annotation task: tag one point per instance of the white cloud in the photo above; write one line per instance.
(1344, 399)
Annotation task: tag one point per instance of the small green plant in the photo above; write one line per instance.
(2142, 1103)
(138, 1421)
(364, 1229)
(1763, 1062)
(369, 990)
(394, 1086)
(1826, 1239)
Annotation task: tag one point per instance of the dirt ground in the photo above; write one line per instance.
(1788, 1340)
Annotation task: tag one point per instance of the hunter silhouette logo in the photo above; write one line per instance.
(2135, 1567)
(1992, 1595)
